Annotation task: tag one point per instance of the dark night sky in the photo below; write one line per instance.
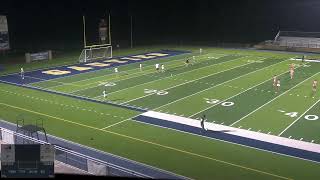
(59, 23)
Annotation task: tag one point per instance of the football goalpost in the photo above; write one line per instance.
(100, 51)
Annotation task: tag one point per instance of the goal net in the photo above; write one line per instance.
(95, 53)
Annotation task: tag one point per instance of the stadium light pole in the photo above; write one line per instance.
(131, 35)
(84, 31)
(109, 29)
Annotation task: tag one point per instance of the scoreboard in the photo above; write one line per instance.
(27, 161)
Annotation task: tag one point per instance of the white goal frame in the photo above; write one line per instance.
(95, 53)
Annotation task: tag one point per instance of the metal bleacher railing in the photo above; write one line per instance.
(91, 165)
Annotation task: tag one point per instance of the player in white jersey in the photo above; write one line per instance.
(116, 70)
(162, 68)
(22, 73)
(200, 50)
(140, 66)
(157, 67)
(278, 85)
(274, 81)
(193, 59)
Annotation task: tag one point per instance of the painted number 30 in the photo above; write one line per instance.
(217, 101)
(154, 91)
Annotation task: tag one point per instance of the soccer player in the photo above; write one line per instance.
(140, 67)
(200, 50)
(162, 68)
(22, 73)
(157, 67)
(274, 81)
(203, 119)
(291, 71)
(314, 86)
(187, 62)
(116, 70)
(302, 59)
(104, 94)
(278, 85)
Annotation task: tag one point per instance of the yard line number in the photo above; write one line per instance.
(309, 117)
(217, 101)
(157, 92)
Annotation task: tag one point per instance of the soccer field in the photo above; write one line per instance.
(232, 88)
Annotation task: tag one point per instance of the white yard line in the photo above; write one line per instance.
(172, 76)
(239, 92)
(214, 87)
(273, 99)
(46, 80)
(298, 118)
(115, 124)
(187, 82)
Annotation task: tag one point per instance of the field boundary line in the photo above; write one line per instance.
(298, 118)
(43, 80)
(150, 142)
(273, 99)
(171, 77)
(188, 82)
(214, 86)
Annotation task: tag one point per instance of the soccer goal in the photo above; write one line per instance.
(95, 53)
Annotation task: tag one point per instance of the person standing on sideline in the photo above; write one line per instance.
(104, 94)
(203, 119)
(22, 73)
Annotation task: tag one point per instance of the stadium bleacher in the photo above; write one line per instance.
(298, 39)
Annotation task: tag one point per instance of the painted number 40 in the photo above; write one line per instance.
(309, 117)
(217, 101)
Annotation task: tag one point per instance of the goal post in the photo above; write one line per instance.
(95, 53)
(98, 50)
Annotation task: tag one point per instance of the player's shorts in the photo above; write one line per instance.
(157, 69)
